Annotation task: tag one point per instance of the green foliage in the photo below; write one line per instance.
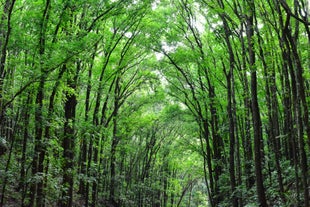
(151, 79)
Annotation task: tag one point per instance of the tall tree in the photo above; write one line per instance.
(257, 124)
(5, 31)
(230, 105)
(154, 103)
(36, 196)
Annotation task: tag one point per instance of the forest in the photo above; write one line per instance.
(154, 103)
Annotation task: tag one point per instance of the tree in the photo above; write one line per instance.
(154, 103)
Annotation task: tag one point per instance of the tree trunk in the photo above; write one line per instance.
(246, 135)
(68, 142)
(272, 106)
(302, 110)
(257, 125)
(23, 170)
(115, 140)
(230, 111)
(5, 31)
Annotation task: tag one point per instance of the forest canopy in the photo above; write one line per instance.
(154, 103)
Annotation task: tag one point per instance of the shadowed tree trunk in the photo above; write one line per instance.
(5, 32)
(230, 111)
(68, 142)
(257, 124)
(272, 106)
(302, 110)
(36, 189)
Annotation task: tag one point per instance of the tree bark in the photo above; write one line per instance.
(68, 142)
(301, 107)
(115, 141)
(257, 125)
(230, 111)
(5, 31)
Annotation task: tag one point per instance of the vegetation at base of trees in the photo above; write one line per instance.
(154, 103)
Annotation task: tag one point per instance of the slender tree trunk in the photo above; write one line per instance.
(206, 168)
(208, 155)
(218, 147)
(83, 186)
(115, 140)
(257, 125)
(10, 136)
(302, 109)
(36, 190)
(47, 129)
(232, 140)
(68, 142)
(39, 147)
(230, 110)
(23, 170)
(272, 105)
(94, 146)
(246, 140)
(5, 31)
